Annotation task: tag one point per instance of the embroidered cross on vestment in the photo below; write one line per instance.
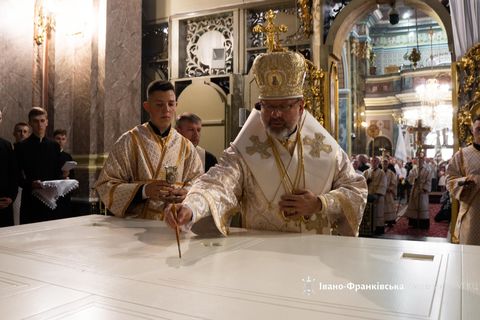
(317, 145)
(260, 147)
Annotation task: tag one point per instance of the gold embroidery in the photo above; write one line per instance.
(139, 142)
(288, 185)
(317, 145)
(260, 147)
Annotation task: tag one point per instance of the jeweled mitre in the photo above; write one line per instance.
(279, 75)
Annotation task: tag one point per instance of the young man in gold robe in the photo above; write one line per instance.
(283, 171)
(463, 183)
(133, 179)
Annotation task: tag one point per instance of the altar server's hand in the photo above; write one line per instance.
(177, 195)
(37, 184)
(5, 202)
(158, 190)
(302, 202)
(184, 215)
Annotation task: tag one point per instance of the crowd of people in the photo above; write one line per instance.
(32, 159)
(393, 183)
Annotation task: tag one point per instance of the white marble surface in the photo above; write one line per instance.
(96, 267)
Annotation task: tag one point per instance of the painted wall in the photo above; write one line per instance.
(16, 60)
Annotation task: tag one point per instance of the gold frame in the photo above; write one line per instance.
(331, 107)
(314, 92)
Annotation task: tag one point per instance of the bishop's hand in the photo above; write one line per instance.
(177, 215)
(302, 202)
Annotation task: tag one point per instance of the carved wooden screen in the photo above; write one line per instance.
(467, 81)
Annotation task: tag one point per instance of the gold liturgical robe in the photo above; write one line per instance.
(248, 179)
(389, 207)
(138, 157)
(466, 162)
(421, 181)
(377, 185)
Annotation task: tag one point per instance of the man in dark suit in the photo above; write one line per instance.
(60, 136)
(39, 159)
(189, 125)
(8, 181)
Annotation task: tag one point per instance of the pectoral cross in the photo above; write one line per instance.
(271, 30)
(317, 145)
(419, 131)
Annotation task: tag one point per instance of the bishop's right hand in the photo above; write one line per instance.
(177, 215)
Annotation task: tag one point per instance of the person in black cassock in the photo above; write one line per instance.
(39, 159)
(60, 136)
(8, 181)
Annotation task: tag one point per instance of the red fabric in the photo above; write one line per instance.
(437, 229)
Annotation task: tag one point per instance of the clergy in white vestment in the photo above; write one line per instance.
(420, 177)
(133, 179)
(389, 211)
(377, 187)
(463, 183)
(284, 171)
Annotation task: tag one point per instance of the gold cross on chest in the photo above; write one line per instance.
(317, 145)
(271, 30)
(260, 147)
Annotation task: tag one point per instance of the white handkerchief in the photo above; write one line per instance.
(69, 165)
(54, 189)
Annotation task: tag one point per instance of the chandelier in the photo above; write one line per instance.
(431, 95)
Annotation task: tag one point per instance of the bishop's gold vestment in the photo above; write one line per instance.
(138, 157)
(247, 179)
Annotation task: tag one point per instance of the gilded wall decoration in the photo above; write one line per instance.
(200, 54)
(468, 84)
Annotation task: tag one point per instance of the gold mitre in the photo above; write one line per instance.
(279, 74)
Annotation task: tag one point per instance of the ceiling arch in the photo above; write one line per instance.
(357, 9)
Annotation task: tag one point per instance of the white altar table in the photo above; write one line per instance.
(97, 267)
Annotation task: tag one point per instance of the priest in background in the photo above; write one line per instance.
(377, 187)
(390, 214)
(420, 177)
(133, 179)
(284, 170)
(463, 183)
(189, 125)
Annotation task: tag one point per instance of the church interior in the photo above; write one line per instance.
(90, 63)
(392, 79)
